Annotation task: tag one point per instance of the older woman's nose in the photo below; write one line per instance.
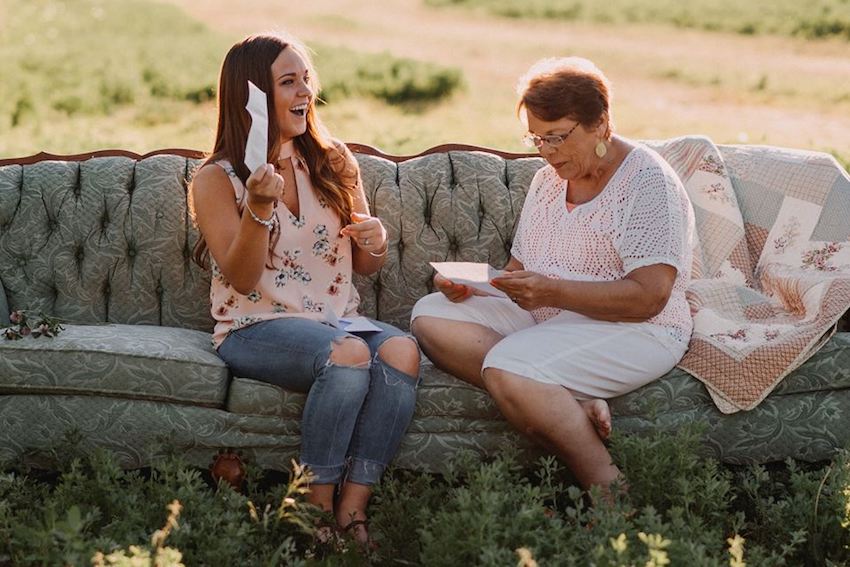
(546, 150)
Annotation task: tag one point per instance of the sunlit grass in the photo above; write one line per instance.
(813, 19)
(82, 75)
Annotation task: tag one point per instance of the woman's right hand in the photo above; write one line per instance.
(265, 185)
(453, 292)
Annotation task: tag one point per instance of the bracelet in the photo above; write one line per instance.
(384, 253)
(270, 223)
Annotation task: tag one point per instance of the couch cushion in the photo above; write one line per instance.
(127, 361)
(443, 396)
(440, 396)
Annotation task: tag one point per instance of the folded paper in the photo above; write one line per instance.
(257, 146)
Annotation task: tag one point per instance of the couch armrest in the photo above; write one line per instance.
(4, 307)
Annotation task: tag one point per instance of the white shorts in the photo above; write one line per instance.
(591, 358)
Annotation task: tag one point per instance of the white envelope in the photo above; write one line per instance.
(473, 274)
(358, 325)
(257, 146)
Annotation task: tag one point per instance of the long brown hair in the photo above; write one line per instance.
(333, 170)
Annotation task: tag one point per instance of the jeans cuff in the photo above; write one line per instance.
(325, 475)
(364, 471)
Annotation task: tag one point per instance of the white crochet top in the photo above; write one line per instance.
(642, 217)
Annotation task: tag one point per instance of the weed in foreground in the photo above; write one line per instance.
(680, 508)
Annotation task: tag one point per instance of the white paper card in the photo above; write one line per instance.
(357, 325)
(475, 275)
(257, 146)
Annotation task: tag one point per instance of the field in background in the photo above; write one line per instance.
(812, 19)
(86, 74)
(669, 80)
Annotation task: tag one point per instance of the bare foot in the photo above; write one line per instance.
(600, 416)
(358, 529)
(354, 523)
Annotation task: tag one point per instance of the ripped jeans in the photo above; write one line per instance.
(354, 417)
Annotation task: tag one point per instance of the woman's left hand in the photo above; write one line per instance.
(529, 290)
(367, 232)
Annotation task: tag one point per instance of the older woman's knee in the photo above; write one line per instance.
(350, 351)
(401, 353)
(501, 385)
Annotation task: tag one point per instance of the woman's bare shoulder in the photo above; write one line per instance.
(210, 177)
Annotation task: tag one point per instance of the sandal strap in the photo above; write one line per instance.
(354, 523)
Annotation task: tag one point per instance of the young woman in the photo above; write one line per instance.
(282, 242)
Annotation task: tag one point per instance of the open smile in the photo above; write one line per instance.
(299, 109)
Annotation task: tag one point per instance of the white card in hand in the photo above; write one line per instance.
(473, 274)
(357, 325)
(257, 146)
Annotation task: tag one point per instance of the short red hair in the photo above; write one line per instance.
(565, 87)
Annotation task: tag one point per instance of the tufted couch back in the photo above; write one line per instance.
(107, 237)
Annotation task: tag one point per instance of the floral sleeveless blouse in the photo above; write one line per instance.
(311, 277)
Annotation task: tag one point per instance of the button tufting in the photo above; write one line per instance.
(131, 252)
(159, 214)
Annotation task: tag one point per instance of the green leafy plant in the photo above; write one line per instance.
(158, 556)
(478, 512)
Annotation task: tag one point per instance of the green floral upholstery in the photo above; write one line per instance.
(102, 240)
(108, 240)
(141, 362)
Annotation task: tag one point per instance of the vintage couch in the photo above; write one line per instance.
(103, 241)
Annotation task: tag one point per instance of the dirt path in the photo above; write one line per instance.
(667, 81)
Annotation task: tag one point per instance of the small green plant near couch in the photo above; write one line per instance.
(680, 509)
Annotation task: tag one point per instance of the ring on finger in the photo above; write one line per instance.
(366, 241)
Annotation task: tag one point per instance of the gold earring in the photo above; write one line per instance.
(601, 149)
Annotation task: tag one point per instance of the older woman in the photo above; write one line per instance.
(596, 280)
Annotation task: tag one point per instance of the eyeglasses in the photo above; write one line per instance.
(535, 141)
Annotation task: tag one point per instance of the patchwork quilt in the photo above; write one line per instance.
(771, 274)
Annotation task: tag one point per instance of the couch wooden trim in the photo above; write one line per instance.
(44, 156)
(197, 154)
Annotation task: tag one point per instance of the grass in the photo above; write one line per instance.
(347, 73)
(815, 19)
(680, 507)
(81, 75)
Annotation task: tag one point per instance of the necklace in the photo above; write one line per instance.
(280, 167)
